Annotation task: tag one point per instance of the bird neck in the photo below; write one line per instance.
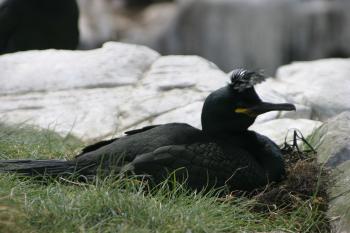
(223, 136)
(226, 128)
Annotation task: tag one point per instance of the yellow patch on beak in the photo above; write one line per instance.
(245, 111)
(242, 110)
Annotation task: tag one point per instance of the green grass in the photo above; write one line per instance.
(123, 205)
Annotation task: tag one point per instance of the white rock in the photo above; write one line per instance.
(145, 109)
(114, 64)
(172, 83)
(195, 72)
(281, 130)
(91, 103)
(190, 114)
(72, 93)
(322, 85)
(86, 113)
(269, 91)
(302, 111)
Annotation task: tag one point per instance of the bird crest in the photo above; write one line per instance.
(242, 79)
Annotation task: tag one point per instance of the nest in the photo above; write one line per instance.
(306, 181)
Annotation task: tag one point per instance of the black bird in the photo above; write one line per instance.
(38, 24)
(223, 153)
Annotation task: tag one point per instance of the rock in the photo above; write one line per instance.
(302, 112)
(254, 34)
(281, 130)
(188, 114)
(106, 20)
(332, 141)
(113, 65)
(270, 92)
(322, 85)
(175, 85)
(100, 93)
(171, 72)
(259, 33)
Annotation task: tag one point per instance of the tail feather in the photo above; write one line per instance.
(38, 167)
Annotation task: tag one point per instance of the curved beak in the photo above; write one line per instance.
(264, 107)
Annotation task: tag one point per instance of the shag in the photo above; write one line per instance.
(223, 153)
(38, 24)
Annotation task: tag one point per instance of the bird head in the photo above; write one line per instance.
(235, 107)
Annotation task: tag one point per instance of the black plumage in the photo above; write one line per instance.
(38, 24)
(223, 153)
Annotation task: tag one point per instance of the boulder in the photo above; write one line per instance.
(259, 33)
(270, 91)
(113, 65)
(322, 85)
(281, 130)
(99, 93)
(241, 33)
(173, 86)
(332, 141)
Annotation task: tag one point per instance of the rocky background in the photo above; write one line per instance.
(259, 34)
(100, 93)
